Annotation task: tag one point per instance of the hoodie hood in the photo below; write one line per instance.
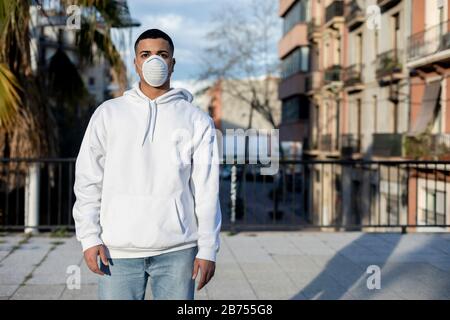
(171, 96)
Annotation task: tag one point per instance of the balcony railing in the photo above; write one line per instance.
(389, 63)
(354, 15)
(428, 146)
(388, 145)
(350, 144)
(429, 41)
(326, 142)
(335, 9)
(333, 74)
(352, 75)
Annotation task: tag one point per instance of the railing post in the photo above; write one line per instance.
(32, 199)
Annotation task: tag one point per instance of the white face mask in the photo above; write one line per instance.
(155, 71)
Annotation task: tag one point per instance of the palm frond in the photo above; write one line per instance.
(93, 42)
(10, 101)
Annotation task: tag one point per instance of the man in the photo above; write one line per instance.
(138, 208)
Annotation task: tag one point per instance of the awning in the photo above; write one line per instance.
(427, 109)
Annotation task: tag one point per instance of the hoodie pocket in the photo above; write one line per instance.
(143, 222)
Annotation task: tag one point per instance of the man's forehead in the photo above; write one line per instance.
(153, 45)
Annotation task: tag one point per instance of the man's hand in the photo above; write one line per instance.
(207, 269)
(90, 256)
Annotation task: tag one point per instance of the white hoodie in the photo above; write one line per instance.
(131, 194)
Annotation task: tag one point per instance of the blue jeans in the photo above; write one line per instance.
(170, 277)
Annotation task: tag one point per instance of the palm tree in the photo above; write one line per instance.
(26, 117)
(37, 103)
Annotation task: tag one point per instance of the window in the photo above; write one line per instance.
(295, 108)
(441, 17)
(433, 211)
(297, 61)
(376, 43)
(298, 13)
(359, 48)
(375, 116)
(437, 128)
(396, 33)
(359, 118)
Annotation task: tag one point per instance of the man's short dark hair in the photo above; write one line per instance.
(154, 34)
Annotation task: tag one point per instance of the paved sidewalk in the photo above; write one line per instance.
(262, 265)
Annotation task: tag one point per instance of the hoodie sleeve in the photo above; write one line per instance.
(205, 187)
(88, 182)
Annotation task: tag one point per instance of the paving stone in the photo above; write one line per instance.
(39, 292)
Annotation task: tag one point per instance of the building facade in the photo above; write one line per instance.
(375, 87)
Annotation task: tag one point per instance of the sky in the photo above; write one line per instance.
(186, 22)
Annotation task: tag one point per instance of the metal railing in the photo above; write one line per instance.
(388, 63)
(337, 194)
(352, 75)
(427, 145)
(335, 9)
(326, 142)
(333, 74)
(353, 12)
(429, 41)
(388, 144)
(342, 195)
(53, 193)
(350, 144)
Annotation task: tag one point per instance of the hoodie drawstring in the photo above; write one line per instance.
(151, 121)
(171, 96)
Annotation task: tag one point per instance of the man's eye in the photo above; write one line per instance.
(164, 56)
(144, 55)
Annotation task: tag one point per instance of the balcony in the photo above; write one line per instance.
(389, 66)
(350, 144)
(354, 15)
(352, 77)
(387, 145)
(326, 142)
(333, 75)
(334, 13)
(387, 4)
(430, 46)
(428, 146)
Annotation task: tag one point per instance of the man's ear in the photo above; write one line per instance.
(173, 64)
(135, 66)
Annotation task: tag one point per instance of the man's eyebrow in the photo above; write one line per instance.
(159, 51)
